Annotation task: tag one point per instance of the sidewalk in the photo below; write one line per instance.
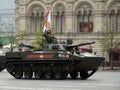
(109, 68)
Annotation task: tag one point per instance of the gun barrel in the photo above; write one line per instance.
(82, 44)
(28, 46)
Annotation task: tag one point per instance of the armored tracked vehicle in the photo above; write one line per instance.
(55, 61)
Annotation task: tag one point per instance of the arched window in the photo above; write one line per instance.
(58, 22)
(80, 21)
(62, 21)
(90, 20)
(36, 18)
(118, 20)
(114, 17)
(59, 18)
(84, 18)
(113, 20)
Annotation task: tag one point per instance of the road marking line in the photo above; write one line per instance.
(15, 88)
(25, 88)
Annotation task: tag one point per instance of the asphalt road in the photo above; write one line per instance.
(101, 80)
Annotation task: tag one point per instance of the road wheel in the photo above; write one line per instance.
(1, 68)
(10, 67)
(74, 75)
(48, 74)
(64, 75)
(57, 75)
(18, 74)
(28, 74)
(38, 74)
(84, 75)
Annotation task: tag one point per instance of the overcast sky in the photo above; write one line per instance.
(4, 5)
(7, 4)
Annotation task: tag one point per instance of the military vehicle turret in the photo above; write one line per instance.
(55, 61)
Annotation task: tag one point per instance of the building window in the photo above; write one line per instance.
(115, 21)
(60, 18)
(36, 18)
(114, 17)
(118, 20)
(85, 22)
(60, 22)
(84, 18)
(63, 21)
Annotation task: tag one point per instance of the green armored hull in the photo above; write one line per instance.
(88, 63)
(51, 65)
(2, 62)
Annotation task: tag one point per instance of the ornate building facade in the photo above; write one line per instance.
(78, 19)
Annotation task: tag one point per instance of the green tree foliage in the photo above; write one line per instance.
(39, 38)
(20, 35)
(110, 41)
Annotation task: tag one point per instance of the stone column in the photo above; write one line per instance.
(22, 24)
(98, 22)
(98, 16)
(69, 19)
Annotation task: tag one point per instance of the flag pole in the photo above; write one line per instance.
(47, 22)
